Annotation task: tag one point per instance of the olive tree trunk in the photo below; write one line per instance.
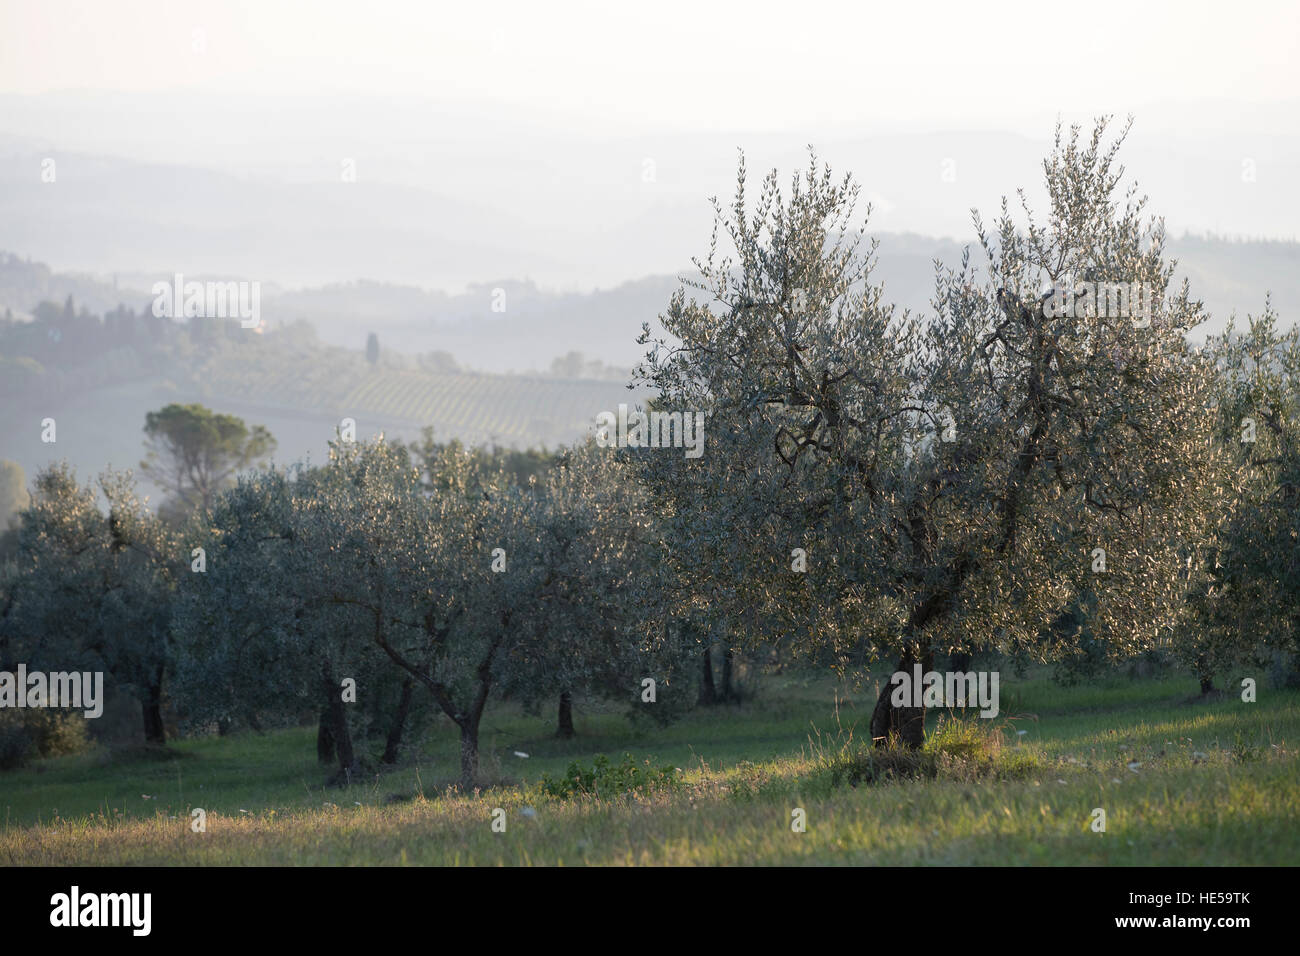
(904, 724)
(349, 769)
(394, 742)
(468, 752)
(565, 729)
(708, 692)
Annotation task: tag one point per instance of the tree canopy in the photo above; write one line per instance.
(193, 452)
(952, 478)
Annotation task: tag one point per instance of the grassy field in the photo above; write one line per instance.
(1182, 781)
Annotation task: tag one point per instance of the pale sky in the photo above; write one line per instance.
(513, 139)
(675, 65)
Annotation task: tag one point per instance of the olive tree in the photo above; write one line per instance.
(263, 637)
(242, 627)
(93, 591)
(435, 573)
(951, 479)
(1248, 595)
(593, 625)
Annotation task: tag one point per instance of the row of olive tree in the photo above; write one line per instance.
(437, 571)
(368, 593)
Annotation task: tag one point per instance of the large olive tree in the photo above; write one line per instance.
(953, 478)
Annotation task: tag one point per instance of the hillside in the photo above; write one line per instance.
(538, 324)
(99, 362)
(98, 376)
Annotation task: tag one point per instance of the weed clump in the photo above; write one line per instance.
(605, 780)
(959, 750)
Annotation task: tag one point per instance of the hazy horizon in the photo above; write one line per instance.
(580, 151)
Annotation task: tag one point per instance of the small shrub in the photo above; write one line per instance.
(956, 750)
(62, 734)
(964, 739)
(604, 780)
(40, 732)
(1244, 751)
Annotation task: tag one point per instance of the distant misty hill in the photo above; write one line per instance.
(97, 376)
(537, 325)
(433, 192)
(87, 351)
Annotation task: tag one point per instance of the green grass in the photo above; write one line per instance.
(1211, 783)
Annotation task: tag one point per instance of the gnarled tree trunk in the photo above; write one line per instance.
(324, 738)
(398, 727)
(905, 724)
(468, 752)
(728, 674)
(154, 730)
(565, 728)
(349, 769)
(708, 692)
(1205, 675)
